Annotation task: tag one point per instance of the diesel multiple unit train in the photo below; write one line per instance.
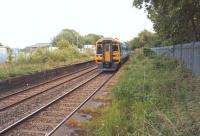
(110, 53)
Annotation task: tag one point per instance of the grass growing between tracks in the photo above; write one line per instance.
(155, 96)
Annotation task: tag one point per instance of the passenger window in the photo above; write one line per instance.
(114, 48)
(99, 49)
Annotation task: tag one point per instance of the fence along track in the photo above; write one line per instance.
(30, 93)
(48, 119)
(187, 54)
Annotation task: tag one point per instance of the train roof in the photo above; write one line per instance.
(108, 39)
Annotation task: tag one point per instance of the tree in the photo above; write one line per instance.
(145, 39)
(67, 37)
(1, 44)
(175, 21)
(91, 38)
(63, 43)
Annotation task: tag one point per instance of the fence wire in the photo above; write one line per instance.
(187, 54)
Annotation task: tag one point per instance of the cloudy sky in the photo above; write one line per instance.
(26, 22)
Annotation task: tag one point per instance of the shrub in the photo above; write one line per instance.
(147, 52)
(42, 59)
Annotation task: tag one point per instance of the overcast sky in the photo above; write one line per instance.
(26, 22)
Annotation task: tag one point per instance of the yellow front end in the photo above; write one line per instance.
(108, 54)
(98, 58)
(116, 57)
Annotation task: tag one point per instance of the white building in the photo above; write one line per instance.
(88, 47)
(3, 55)
(47, 46)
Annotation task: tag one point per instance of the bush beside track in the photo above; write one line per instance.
(41, 59)
(155, 96)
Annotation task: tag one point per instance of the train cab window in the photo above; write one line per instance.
(99, 49)
(114, 48)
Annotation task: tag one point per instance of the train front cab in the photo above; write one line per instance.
(108, 55)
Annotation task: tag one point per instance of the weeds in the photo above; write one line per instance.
(42, 59)
(153, 97)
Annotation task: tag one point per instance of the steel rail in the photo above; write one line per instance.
(47, 105)
(18, 102)
(77, 108)
(40, 84)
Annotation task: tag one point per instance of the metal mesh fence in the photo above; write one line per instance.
(187, 54)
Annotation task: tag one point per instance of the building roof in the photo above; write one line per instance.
(38, 45)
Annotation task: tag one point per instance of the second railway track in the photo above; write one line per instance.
(46, 119)
(16, 98)
(18, 109)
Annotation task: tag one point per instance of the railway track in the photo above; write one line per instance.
(43, 83)
(46, 119)
(39, 97)
(18, 97)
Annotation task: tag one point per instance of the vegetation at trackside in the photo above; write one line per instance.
(145, 39)
(42, 59)
(174, 21)
(155, 96)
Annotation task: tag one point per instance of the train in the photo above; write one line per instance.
(111, 53)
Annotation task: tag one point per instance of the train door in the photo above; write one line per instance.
(107, 52)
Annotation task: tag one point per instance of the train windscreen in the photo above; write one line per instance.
(114, 47)
(99, 49)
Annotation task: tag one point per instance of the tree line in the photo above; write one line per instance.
(145, 39)
(174, 21)
(70, 37)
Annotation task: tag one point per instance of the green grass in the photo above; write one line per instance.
(155, 96)
(40, 60)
